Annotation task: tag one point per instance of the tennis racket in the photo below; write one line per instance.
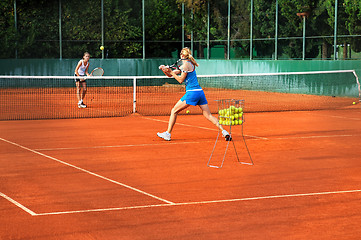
(97, 72)
(177, 65)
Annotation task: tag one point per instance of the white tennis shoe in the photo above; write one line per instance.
(226, 135)
(81, 105)
(164, 135)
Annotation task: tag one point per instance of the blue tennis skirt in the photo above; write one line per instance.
(195, 98)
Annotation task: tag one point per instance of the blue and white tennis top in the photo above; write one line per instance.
(191, 80)
(82, 68)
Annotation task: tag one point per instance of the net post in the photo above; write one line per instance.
(134, 95)
(358, 85)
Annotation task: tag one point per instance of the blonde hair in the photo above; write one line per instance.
(186, 52)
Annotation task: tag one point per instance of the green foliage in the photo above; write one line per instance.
(264, 26)
(162, 28)
(37, 32)
(316, 25)
(353, 22)
(121, 32)
(7, 29)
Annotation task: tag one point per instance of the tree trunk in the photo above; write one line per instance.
(325, 50)
(345, 47)
(225, 51)
(200, 50)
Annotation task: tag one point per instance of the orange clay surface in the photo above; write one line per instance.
(113, 178)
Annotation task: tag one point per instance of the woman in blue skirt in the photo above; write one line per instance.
(194, 94)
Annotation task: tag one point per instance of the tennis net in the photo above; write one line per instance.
(48, 97)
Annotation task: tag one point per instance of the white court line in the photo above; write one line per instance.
(18, 204)
(335, 116)
(256, 137)
(176, 143)
(357, 119)
(91, 173)
(200, 202)
(115, 146)
(307, 137)
(187, 125)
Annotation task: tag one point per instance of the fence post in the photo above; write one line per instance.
(335, 34)
(60, 34)
(251, 34)
(192, 32)
(208, 41)
(102, 20)
(16, 30)
(276, 32)
(304, 39)
(182, 25)
(143, 25)
(229, 30)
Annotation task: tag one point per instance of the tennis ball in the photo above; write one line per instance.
(220, 122)
(187, 111)
(240, 122)
(102, 48)
(232, 123)
(236, 116)
(232, 117)
(236, 110)
(240, 109)
(353, 103)
(235, 122)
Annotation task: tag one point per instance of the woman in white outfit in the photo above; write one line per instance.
(81, 70)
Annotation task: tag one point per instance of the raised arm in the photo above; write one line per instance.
(180, 78)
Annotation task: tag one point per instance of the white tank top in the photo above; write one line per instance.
(82, 68)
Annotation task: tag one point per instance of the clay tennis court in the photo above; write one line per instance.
(112, 178)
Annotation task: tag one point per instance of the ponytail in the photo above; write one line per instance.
(186, 52)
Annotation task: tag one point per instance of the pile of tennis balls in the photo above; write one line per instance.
(231, 116)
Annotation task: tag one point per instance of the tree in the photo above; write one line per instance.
(353, 22)
(198, 21)
(162, 28)
(316, 25)
(7, 29)
(341, 21)
(264, 26)
(36, 33)
(195, 18)
(123, 30)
